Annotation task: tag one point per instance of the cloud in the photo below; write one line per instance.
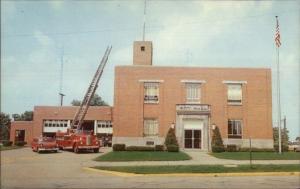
(57, 4)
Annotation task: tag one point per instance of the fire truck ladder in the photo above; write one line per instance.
(84, 106)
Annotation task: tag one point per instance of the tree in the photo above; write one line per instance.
(26, 116)
(298, 139)
(216, 141)
(5, 126)
(284, 138)
(171, 141)
(95, 101)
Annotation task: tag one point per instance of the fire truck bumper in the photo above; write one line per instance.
(48, 149)
(88, 147)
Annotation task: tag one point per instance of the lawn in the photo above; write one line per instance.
(3, 148)
(258, 155)
(201, 169)
(143, 156)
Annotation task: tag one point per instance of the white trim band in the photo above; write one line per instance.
(235, 82)
(151, 81)
(192, 81)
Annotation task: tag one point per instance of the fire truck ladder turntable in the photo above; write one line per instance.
(84, 106)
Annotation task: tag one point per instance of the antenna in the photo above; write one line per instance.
(145, 4)
(61, 76)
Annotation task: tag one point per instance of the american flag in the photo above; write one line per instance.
(277, 34)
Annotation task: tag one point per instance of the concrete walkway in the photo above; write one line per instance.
(198, 158)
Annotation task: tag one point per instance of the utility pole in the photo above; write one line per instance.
(144, 26)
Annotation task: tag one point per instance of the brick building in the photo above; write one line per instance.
(148, 100)
(47, 120)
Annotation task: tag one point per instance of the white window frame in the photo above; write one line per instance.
(150, 127)
(233, 101)
(238, 123)
(193, 93)
(151, 92)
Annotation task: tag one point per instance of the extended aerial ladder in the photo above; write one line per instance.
(84, 106)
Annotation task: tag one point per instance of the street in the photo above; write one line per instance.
(23, 168)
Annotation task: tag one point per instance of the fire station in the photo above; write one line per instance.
(148, 100)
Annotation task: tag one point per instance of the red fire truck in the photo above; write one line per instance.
(77, 141)
(77, 138)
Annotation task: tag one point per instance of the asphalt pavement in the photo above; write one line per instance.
(22, 168)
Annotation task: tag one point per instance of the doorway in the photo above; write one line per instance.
(20, 135)
(192, 139)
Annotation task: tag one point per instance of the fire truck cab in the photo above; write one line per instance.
(77, 140)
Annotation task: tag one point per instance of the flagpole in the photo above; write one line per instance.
(278, 98)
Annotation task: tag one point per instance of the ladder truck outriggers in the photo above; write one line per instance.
(76, 138)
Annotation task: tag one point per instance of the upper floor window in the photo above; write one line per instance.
(234, 94)
(150, 127)
(55, 123)
(151, 92)
(234, 128)
(193, 92)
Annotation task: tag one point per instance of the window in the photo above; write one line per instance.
(55, 123)
(151, 91)
(142, 48)
(234, 94)
(150, 127)
(234, 128)
(104, 124)
(193, 93)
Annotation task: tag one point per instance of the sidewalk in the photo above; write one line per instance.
(198, 158)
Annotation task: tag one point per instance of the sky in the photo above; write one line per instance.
(37, 35)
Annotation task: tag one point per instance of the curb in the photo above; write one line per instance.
(123, 174)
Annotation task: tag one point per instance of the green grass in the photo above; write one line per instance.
(201, 169)
(258, 155)
(3, 148)
(143, 156)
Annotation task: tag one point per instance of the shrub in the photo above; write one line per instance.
(172, 148)
(7, 143)
(217, 142)
(171, 138)
(119, 147)
(20, 143)
(139, 148)
(231, 148)
(159, 148)
(256, 149)
(171, 141)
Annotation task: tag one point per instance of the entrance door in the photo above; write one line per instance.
(192, 138)
(20, 135)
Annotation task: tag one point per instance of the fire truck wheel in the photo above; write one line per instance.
(96, 150)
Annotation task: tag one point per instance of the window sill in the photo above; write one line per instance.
(151, 102)
(234, 104)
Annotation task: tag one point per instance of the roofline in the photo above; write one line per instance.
(192, 67)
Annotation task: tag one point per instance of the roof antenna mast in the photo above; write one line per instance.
(145, 4)
(61, 77)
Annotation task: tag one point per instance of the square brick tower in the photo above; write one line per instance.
(142, 53)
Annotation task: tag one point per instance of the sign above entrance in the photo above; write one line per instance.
(195, 108)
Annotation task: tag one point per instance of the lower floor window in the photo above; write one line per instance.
(234, 128)
(150, 127)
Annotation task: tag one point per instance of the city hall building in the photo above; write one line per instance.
(148, 100)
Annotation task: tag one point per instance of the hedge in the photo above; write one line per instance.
(159, 148)
(173, 148)
(119, 147)
(7, 143)
(139, 148)
(231, 148)
(20, 143)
